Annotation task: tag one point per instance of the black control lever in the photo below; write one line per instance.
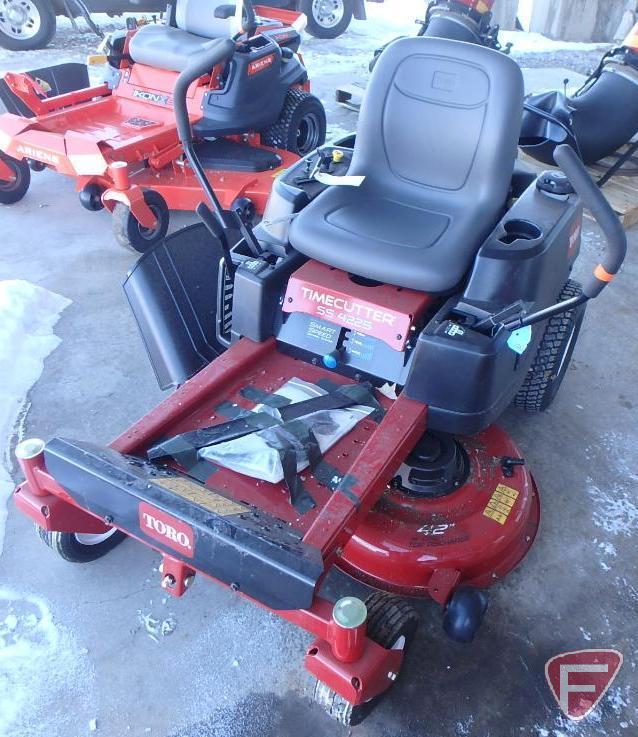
(200, 64)
(219, 223)
(498, 319)
(247, 233)
(214, 227)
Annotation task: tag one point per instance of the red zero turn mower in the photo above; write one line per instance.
(348, 358)
(248, 101)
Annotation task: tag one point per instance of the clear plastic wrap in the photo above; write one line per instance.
(259, 454)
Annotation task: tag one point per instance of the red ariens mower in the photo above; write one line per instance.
(252, 114)
(368, 333)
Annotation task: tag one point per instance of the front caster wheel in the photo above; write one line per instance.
(391, 623)
(14, 189)
(464, 614)
(131, 234)
(78, 547)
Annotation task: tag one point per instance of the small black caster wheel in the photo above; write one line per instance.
(392, 623)
(14, 189)
(91, 197)
(464, 613)
(245, 208)
(131, 234)
(78, 547)
(36, 166)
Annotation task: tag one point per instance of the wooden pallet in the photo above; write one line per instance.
(621, 192)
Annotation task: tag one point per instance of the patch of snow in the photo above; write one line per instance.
(28, 314)
(608, 549)
(617, 699)
(464, 728)
(39, 664)
(524, 42)
(586, 635)
(615, 509)
(352, 52)
(155, 627)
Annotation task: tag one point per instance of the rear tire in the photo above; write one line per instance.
(80, 548)
(129, 233)
(13, 191)
(34, 27)
(554, 354)
(391, 623)
(327, 18)
(301, 127)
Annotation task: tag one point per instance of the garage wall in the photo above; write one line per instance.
(579, 20)
(505, 13)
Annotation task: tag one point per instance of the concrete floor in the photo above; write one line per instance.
(228, 669)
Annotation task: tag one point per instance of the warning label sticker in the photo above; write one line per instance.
(501, 504)
(201, 496)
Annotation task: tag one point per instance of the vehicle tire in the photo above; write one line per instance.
(129, 233)
(391, 623)
(554, 353)
(26, 24)
(327, 18)
(301, 127)
(13, 191)
(78, 547)
(464, 613)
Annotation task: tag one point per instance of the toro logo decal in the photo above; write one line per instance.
(167, 529)
(260, 65)
(580, 679)
(152, 97)
(39, 154)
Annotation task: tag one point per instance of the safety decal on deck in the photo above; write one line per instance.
(201, 496)
(501, 503)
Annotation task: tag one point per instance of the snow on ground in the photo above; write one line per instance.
(28, 314)
(36, 656)
(348, 54)
(39, 663)
(352, 52)
(615, 510)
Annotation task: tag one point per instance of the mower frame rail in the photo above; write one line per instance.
(347, 660)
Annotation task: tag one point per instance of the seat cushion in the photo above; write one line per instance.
(436, 141)
(372, 236)
(165, 47)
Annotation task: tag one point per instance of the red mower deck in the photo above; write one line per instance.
(171, 517)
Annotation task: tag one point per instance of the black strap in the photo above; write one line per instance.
(186, 444)
(290, 437)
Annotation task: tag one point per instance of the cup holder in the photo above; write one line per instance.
(520, 230)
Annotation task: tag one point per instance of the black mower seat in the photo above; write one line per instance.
(170, 47)
(437, 141)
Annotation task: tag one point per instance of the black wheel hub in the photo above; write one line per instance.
(437, 466)
(149, 234)
(308, 134)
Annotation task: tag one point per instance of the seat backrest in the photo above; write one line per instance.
(198, 17)
(440, 124)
